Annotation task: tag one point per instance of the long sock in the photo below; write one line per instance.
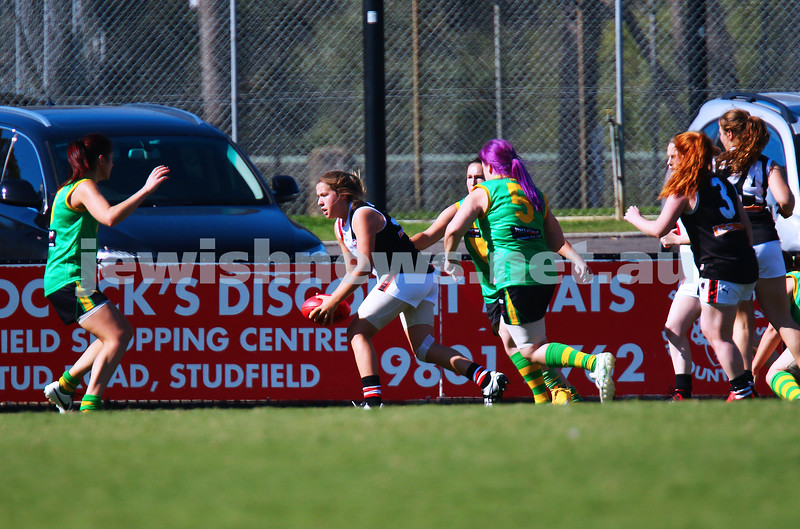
(553, 381)
(683, 385)
(532, 374)
(784, 385)
(478, 374)
(91, 403)
(560, 355)
(742, 386)
(67, 383)
(371, 388)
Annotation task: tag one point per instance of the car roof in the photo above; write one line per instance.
(60, 122)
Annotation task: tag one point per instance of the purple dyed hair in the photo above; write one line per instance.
(500, 154)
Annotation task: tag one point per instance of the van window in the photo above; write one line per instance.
(22, 162)
(202, 171)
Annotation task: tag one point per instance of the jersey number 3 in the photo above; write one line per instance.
(728, 210)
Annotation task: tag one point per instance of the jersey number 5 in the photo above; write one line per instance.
(519, 199)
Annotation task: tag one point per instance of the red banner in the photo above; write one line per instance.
(228, 333)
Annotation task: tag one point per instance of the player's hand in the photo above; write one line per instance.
(452, 268)
(582, 273)
(632, 214)
(157, 176)
(670, 239)
(324, 314)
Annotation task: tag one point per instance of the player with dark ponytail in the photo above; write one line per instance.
(78, 209)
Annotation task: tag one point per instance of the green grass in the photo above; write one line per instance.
(630, 464)
(323, 228)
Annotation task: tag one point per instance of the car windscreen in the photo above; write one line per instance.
(203, 171)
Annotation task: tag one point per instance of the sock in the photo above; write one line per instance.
(560, 355)
(785, 386)
(683, 385)
(371, 388)
(553, 381)
(91, 403)
(67, 383)
(532, 374)
(478, 374)
(742, 386)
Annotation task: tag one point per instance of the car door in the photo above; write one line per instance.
(23, 228)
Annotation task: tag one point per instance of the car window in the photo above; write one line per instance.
(22, 162)
(774, 148)
(202, 171)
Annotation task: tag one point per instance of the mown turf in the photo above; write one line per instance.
(629, 464)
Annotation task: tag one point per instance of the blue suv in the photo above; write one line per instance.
(215, 199)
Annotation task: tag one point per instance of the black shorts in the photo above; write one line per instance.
(71, 302)
(525, 304)
(494, 311)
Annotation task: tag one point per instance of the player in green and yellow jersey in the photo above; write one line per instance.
(69, 278)
(521, 233)
(539, 382)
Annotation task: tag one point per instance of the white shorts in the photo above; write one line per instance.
(526, 334)
(719, 292)
(691, 277)
(770, 260)
(413, 298)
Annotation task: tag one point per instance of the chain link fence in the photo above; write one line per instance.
(541, 74)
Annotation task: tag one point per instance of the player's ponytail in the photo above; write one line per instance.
(750, 136)
(500, 154)
(83, 154)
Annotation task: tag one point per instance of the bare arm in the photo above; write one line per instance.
(780, 191)
(554, 236)
(436, 230)
(673, 207)
(473, 206)
(88, 196)
(366, 223)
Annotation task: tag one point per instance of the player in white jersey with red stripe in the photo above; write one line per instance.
(371, 240)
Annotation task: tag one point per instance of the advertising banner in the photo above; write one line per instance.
(215, 332)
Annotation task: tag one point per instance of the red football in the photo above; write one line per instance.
(342, 311)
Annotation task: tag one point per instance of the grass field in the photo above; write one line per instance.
(323, 228)
(701, 464)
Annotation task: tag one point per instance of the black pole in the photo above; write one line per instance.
(697, 68)
(374, 104)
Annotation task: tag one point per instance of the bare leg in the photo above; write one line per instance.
(113, 332)
(438, 354)
(360, 333)
(682, 314)
(771, 295)
(716, 322)
(743, 332)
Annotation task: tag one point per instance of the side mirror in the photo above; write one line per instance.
(284, 188)
(19, 193)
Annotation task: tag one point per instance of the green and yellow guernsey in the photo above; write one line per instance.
(514, 235)
(68, 228)
(476, 247)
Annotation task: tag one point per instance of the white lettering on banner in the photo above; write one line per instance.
(137, 376)
(28, 341)
(251, 375)
(25, 297)
(178, 339)
(396, 361)
(568, 294)
(631, 373)
(279, 339)
(25, 377)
